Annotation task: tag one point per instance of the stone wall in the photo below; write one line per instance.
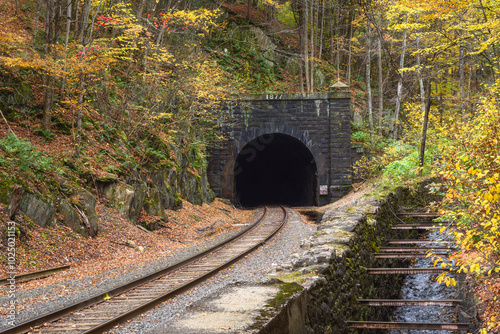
(333, 263)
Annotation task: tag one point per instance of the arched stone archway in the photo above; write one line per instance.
(275, 168)
(319, 121)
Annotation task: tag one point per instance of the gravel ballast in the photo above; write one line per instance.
(255, 268)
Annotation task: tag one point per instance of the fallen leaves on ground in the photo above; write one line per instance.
(42, 248)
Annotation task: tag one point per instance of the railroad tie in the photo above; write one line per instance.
(406, 271)
(417, 242)
(421, 250)
(433, 226)
(410, 302)
(408, 325)
(415, 249)
(417, 215)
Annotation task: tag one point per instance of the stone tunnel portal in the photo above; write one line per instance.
(275, 169)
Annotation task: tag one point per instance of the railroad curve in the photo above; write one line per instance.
(102, 312)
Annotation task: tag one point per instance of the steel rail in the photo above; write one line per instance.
(33, 275)
(96, 299)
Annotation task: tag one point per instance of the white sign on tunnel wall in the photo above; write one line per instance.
(323, 189)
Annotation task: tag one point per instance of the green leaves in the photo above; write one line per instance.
(24, 154)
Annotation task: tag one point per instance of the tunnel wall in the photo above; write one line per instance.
(321, 121)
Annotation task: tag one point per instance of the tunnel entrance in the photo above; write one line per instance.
(275, 169)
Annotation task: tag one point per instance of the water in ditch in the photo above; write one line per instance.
(424, 286)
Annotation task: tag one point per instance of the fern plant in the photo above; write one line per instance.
(24, 154)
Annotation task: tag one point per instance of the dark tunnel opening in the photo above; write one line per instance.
(275, 169)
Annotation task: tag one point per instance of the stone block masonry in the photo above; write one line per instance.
(319, 122)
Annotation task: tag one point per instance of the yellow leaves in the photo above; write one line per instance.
(475, 268)
(444, 278)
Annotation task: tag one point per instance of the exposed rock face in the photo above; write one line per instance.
(127, 199)
(163, 190)
(82, 217)
(119, 197)
(263, 46)
(71, 217)
(87, 205)
(140, 192)
(41, 211)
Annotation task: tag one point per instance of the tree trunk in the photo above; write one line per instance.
(469, 103)
(37, 15)
(140, 8)
(337, 32)
(85, 19)
(461, 62)
(441, 109)
(68, 22)
(66, 39)
(249, 11)
(305, 44)
(301, 78)
(77, 14)
(424, 127)
(419, 68)
(368, 79)
(400, 83)
(349, 57)
(380, 80)
(332, 48)
(48, 90)
(78, 138)
(322, 25)
(311, 68)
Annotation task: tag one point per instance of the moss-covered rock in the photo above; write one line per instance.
(71, 217)
(6, 187)
(87, 205)
(137, 203)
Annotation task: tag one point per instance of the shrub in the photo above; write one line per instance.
(24, 154)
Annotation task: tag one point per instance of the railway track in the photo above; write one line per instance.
(102, 312)
(34, 275)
